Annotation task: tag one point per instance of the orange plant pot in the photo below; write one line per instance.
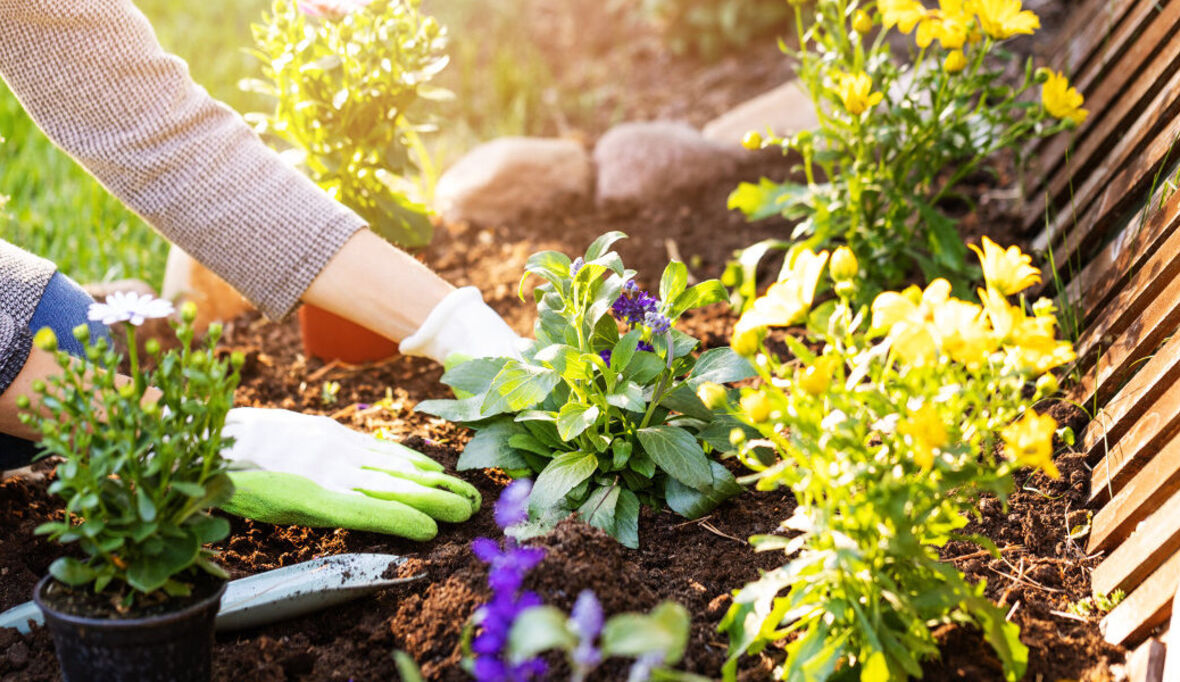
(329, 337)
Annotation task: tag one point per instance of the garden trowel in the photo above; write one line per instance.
(278, 594)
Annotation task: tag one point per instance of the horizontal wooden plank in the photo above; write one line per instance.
(1141, 336)
(1151, 230)
(1128, 406)
(1145, 609)
(1122, 183)
(1138, 68)
(1125, 457)
(1134, 502)
(1151, 543)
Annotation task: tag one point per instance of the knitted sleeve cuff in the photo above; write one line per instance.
(16, 341)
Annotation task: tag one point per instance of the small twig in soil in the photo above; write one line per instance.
(1012, 611)
(1071, 616)
(713, 529)
(1025, 581)
(323, 371)
(689, 523)
(983, 553)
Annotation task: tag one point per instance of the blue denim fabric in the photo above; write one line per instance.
(63, 307)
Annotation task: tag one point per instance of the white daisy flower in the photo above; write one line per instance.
(128, 306)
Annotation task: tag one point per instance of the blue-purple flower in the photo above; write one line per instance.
(508, 564)
(586, 622)
(643, 345)
(657, 323)
(576, 266)
(633, 305)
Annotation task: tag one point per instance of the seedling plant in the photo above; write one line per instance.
(606, 418)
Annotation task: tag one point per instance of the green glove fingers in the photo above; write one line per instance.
(442, 505)
(417, 459)
(283, 499)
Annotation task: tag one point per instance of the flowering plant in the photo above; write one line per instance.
(889, 423)
(142, 457)
(606, 418)
(344, 74)
(896, 140)
(515, 628)
(710, 28)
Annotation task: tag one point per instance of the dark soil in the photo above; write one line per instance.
(109, 605)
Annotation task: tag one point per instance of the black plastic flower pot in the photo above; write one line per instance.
(174, 646)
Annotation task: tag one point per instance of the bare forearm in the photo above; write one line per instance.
(378, 286)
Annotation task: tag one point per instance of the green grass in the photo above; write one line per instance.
(502, 84)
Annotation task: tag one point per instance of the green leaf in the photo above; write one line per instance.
(144, 505)
(489, 448)
(703, 294)
(536, 630)
(176, 554)
(574, 418)
(627, 519)
(644, 367)
(693, 504)
(665, 630)
(673, 281)
(519, 387)
(678, 453)
(552, 266)
(209, 528)
(604, 242)
(473, 377)
(624, 350)
(767, 198)
(459, 411)
(407, 669)
(720, 366)
(566, 361)
(562, 475)
(187, 488)
(71, 571)
(683, 399)
(1002, 635)
(628, 396)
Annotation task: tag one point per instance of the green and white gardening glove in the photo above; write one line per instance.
(462, 325)
(291, 468)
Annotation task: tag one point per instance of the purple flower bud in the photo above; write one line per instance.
(642, 667)
(586, 618)
(513, 506)
(605, 355)
(657, 323)
(644, 345)
(576, 266)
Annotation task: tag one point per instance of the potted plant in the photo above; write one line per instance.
(343, 75)
(141, 470)
(603, 408)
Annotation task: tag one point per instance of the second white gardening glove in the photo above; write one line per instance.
(291, 468)
(462, 324)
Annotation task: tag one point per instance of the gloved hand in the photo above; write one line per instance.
(291, 468)
(463, 324)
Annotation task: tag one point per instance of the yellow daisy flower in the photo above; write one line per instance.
(1009, 270)
(1062, 100)
(1002, 19)
(856, 92)
(1029, 442)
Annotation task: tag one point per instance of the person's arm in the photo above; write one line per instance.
(94, 78)
(38, 365)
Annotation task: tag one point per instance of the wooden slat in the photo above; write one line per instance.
(1128, 455)
(1145, 333)
(1112, 100)
(1103, 200)
(1151, 543)
(1113, 421)
(1085, 33)
(1123, 257)
(1133, 502)
(1114, 104)
(1148, 607)
(1146, 664)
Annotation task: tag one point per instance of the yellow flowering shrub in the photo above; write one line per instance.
(888, 421)
(897, 136)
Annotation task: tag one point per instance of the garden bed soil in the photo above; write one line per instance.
(698, 563)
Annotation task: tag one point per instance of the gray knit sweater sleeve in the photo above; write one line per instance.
(23, 277)
(94, 78)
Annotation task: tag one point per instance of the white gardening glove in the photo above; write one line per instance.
(463, 325)
(295, 468)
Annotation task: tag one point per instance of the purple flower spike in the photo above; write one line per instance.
(644, 345)
(642, 667)
(605, 355)
(657, 323)
(586, 619)
(576, 266)
(513, 506)
(633, 305)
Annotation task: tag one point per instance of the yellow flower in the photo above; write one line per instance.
(752, 140)
(756, 406)
(904, 14)
(861, 23)
(926, 432)
(1030, 442)
(856, 92)
(962, 332)
(818, 378)
(955, 62)
(1003, 316)
(1062, 100)
(954, 24)
(786, 302)
(1009, 270)
(1003, 19)
(1034, 346)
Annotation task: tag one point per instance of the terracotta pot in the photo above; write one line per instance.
(329, 337)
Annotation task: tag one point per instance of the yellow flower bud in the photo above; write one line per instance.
(955, 62)
(844, 266)
(45, 339)
(818, 378)
(756, 406)
(152, 346)
(752, 140)
(1046, 385)
(188, 312)
(712, 395)
(861, 23)
(81, 333)
(737, 436)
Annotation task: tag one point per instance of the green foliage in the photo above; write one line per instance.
(342, 88)
(1097, 605)
(710, 28)
(889, 426)
(896, 139)
(608, 420)
(140, 472)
